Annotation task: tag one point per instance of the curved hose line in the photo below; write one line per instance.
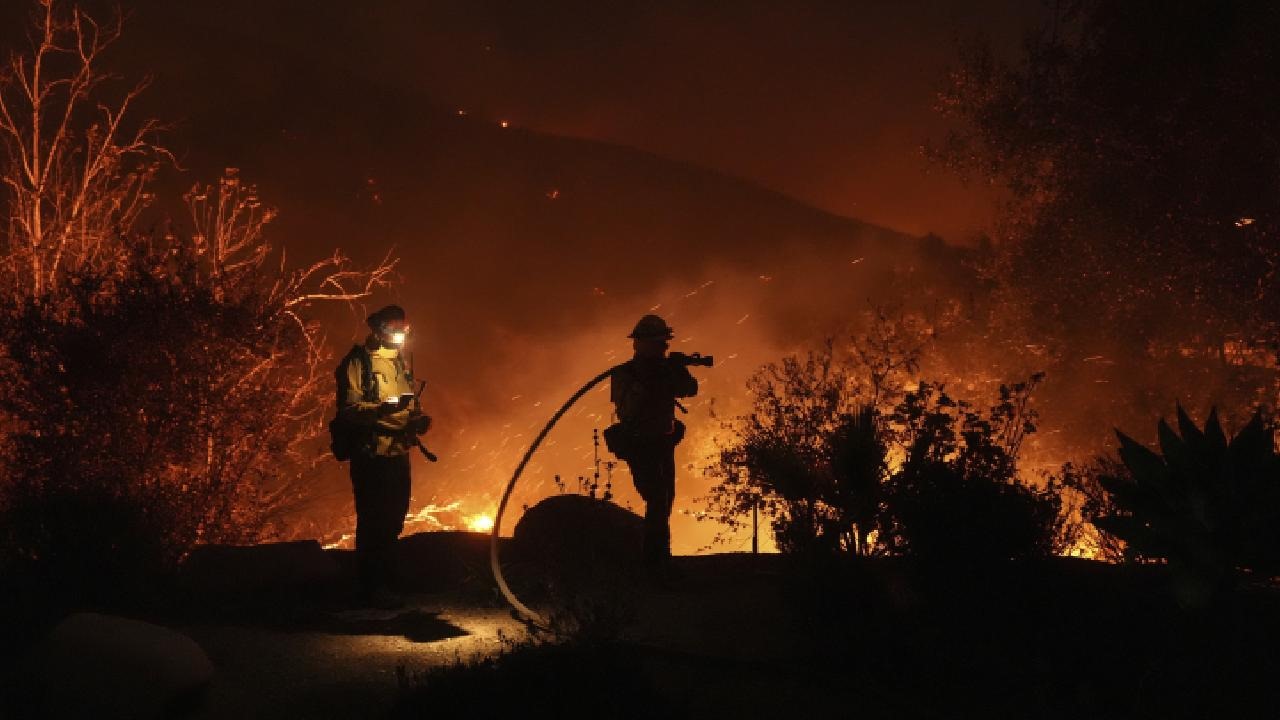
(494, 562)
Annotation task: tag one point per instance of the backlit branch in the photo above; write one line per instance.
(74, 167)
(339, 284)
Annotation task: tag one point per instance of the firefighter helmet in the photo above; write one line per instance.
(652, 326)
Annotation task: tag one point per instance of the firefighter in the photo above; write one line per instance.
(383, 419)
(644, 391)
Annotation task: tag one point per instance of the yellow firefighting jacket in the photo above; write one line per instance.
(388, 434)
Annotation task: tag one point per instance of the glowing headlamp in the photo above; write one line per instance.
(395, 334)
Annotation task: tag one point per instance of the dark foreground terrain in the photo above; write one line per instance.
(767, 636)
(736, 636)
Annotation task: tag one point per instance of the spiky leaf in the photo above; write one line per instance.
(1148, 470)
(1178, 456)
(1252, 447)
(1191, 434)
(1123, 490)
(1207, 505)
(1213, 433)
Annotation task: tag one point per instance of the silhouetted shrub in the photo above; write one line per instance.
(957, 494)
(783, 456)
(859, 462)
(1085, 500)
(840, 461)
(86, 540)
(810, 455)
(143, 428)
(169, 403)
(1209, 506)
(161, 389)
(941, 514)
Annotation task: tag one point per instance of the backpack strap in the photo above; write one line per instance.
(368, 388)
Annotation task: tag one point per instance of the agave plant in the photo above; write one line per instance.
(1208, 505)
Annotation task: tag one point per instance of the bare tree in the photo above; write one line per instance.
(184, 369)
(288, 359)
(75, 168)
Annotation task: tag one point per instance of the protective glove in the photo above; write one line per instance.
(419, 423)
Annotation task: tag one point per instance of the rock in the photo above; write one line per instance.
(102, 666)
(438, 560)
(576, 530)
(234, 569)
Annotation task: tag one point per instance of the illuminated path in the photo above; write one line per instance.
(342, 664)
(321, 673)
(728, 612)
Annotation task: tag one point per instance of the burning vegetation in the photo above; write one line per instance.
(183, 361)
(922, 430)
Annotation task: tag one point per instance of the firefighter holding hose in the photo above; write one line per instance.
(645, 392)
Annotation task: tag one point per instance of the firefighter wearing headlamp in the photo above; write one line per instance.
(376, 401)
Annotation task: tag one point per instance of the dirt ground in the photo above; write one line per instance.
(345, 670)
(755, 636)
(343, 663)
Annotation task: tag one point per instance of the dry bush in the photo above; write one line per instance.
(164, 388)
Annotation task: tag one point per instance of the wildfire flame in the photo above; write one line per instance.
(480, 523)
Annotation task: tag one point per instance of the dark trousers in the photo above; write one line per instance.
(381, 486)
(653, 469)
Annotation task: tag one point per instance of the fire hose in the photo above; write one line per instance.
(494, 560)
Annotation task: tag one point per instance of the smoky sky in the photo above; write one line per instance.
(749, 170)
(823, 100)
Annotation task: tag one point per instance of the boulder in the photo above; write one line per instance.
(237, 569)
(102, 666)
(577, 531)
(439, 560)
